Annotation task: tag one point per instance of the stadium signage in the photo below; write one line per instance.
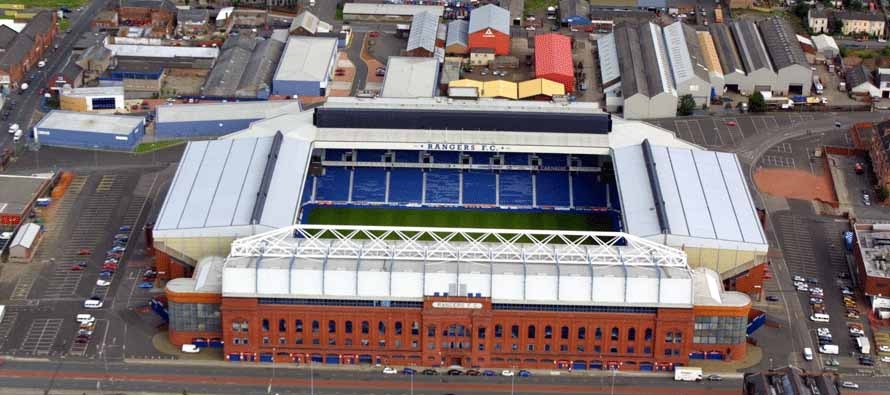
(456, 305)
(460, 147)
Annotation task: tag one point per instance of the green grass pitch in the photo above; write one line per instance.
(460, 218)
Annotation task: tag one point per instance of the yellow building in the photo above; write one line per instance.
(540, 88)
(500, 88)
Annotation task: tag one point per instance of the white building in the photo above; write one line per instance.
(687, 62)
(104, 99)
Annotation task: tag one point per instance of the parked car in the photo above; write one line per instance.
(102, 283)
(76, 268)
(488, 373)
(409, 371)
(190, 349)
(430, 372)
(849, 385)
(455, 372)
(715, 377)
(799, 279)
(85, 251)
(124, 228)
(772, 298)
(473, 372)
(866, 361)
(525, 373)
(507, 373)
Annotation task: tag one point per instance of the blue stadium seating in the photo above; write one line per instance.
(480, 158)
(588, 160)
(479, 187)
(370, 155)
(408, 156)
(405, 185)
(588, 190)
(307, 189)
(369, 184)
(614, 198)
(516, 159)
(333, 185)
(446, 156)
(334, 154)
(552, 188)
(443, 186)
(516, 188)
(553, 159)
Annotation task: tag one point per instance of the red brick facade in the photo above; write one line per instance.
(158, 18)
(750, 282)
(28, 48)
(462, 331)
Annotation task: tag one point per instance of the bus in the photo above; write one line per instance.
(718, 15)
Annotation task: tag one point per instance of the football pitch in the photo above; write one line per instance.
(460, 218)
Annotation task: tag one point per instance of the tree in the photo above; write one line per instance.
(801, 9)
(686, 105)
(756, 103)
(835, 25)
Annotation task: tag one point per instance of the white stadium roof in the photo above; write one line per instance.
(322, 261)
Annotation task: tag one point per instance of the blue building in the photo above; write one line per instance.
(574, 12)
(305, 67)
(215, 119)
(90, 131)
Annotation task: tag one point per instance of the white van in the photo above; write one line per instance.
(819, 317)
(190, 349)
(92, 304)
(808, 353)
(829, 349)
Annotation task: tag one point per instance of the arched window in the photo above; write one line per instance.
(531, 332)
(582, 333)
(648, 334)
(615, 333)
(348, 326)
(398, 327)
(315, 326)
(564, 332)
(381, 328)
(298, 326)
(498, 330)
(598, 334)
(282, 325)
(548, 332)
(332, 326)
(415, 328)
(632, 334)
(365, 327)
(265, 324)
(431, 331)
(514, 331)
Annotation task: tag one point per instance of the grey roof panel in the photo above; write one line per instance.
(751, 49)
(490, 16)
(684, 52)
(857, 76)
(458, 33)
(423, 31)
(282, 200)
(726, 49)
(244, 156)
(177, 196)
(608, 57)
(6, 36)
(203, 190)
(782, 44)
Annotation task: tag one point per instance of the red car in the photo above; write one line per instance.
(76, 268)
(85, 251)
(374, 34)
(731, 123)
(115, 255)
(109, 266)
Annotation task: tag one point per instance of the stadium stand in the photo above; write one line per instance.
(407, 156)
(552, 189)
(369, 184)
(405, 186)
(515, 188)
(333, 185)
(335, 154)
(443, 186)
(479, 187)
(587, 191)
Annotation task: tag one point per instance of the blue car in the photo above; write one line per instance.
(488, 373)
(525, 373)
(409, 371)
(146, 285)
(124, 229)
(106, 274)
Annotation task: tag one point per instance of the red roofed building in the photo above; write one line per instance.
(553, 59)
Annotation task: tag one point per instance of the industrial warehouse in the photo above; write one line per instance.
(253, 262)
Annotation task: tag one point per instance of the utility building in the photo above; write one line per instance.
(422, 38)
(90, 131)
(646, 82)
(687, 63)
(712, 62)
(734, 76)
(761, 74)
(793, 73)
(457, 40)
(305, 67)
(490, 28)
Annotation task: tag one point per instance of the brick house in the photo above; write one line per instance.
(879, 152)
(27, 47)
(158, 14)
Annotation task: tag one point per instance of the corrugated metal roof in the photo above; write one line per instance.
(655, 60)
(490, 16)
(823, 42)
(553, 55)
(306, 59)
(684, 52)
(608, 56)
(540, 86)
(466, 83)
(410, 77)
(458, 33)
(225, 111)
(726, 49)
(390, 9)
(709, 52)
(288, 178)
(500, 88)
(781, 42)
(751, 48)
(857, 76)
(26, 236)
(240, 72)
(423, 31)
(90, 123)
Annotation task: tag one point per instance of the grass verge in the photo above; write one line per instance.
(156, 145)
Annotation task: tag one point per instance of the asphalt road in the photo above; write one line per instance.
(29, 101)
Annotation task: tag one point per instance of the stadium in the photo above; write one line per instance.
(422, 231)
